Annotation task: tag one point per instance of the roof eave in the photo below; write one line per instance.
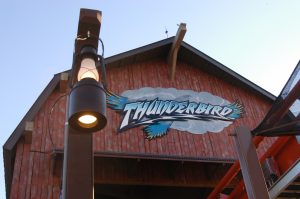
(9, 146)
(230, 72)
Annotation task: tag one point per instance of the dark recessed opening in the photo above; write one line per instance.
(149, 192)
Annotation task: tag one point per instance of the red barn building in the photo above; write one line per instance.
(181, 163)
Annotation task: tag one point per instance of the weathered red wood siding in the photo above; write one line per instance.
(33, 171)
(155, 74)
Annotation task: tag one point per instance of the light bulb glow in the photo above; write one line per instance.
(87, 119)
(88, 69)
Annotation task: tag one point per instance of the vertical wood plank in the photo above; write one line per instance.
(17, 170)
(35, 171)
(24, 172)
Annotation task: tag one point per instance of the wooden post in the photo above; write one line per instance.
(63, 84)
(78, 166)
(251, 170)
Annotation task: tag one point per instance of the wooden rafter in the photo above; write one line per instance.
(172, 58)
(29, 125)
(63, 84)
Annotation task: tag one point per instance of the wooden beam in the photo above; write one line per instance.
(130, 171)
(63, 83)
(172, 58)
(157, 172)
(28, 132)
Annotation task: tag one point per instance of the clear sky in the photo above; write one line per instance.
(259, 40)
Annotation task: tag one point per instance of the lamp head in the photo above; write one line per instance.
(87, 106)
(87, 100)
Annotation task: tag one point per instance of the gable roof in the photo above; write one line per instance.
(191, 55)
(158, 49)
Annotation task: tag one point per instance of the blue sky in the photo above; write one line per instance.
(259, 40)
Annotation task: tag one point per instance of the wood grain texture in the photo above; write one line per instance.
(155, 74)
(33, 178)
(157, 173)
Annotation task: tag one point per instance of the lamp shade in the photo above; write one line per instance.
(87, 106)
(88, 69)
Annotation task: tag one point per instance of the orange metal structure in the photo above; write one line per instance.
(285, 151)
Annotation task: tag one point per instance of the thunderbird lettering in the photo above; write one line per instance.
(136, 113)
(178, 110)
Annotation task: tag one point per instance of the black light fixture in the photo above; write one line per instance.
(87, 102)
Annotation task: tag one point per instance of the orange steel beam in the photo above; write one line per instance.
(276, 116)
(273, 150)
(231, 173)
(237, 190)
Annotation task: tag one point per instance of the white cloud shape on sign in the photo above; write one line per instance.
(192, 126)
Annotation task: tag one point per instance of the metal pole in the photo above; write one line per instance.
(251, 170)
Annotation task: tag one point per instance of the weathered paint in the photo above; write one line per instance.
(155, 74)
(33, 171)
